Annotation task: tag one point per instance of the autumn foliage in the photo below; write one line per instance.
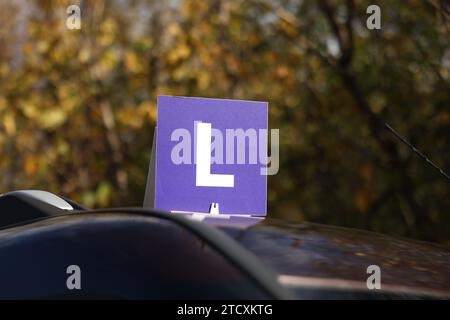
(78, 107)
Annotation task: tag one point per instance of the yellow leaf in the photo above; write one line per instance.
(31, 165)
(9, 123)
(132, 62)
(50, 119)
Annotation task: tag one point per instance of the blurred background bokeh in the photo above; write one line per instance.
(78, 107)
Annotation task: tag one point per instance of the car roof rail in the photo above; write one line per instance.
(26, 205)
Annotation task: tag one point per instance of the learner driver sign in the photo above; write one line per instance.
(211, 151)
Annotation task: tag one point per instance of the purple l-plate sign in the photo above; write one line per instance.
(187, 179)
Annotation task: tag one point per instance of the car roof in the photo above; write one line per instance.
(312, 255)
(309, 253)
(71, 226)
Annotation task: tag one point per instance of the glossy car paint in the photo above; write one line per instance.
(120, 256)
(308, 254)
(153, 258)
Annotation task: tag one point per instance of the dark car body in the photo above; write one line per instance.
(146, 254)
(310, 255)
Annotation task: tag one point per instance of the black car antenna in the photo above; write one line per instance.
(416, 151)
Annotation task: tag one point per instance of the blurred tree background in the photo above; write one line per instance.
(78, 107)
